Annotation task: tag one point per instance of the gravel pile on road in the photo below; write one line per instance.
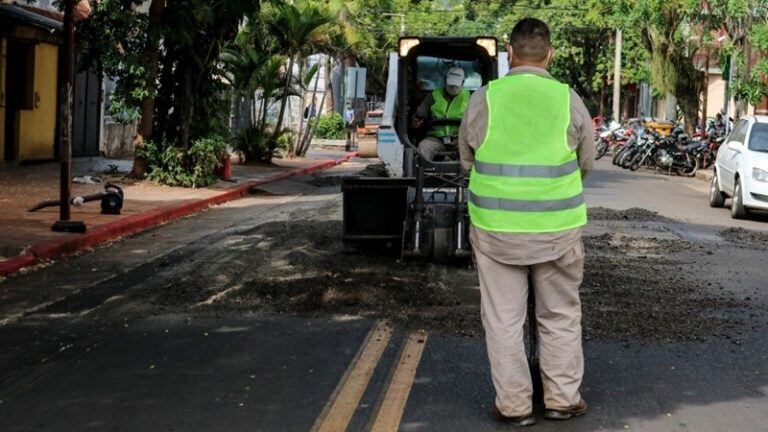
(308, 272)
(621, 244)
(642, 298)
(632, 214)
(745, 237)
(302, 267)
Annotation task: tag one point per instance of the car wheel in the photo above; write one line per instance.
(716, 197)
(738, 211)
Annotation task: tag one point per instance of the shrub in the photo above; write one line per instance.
(257, 145)
(173, 166)
(330, 126)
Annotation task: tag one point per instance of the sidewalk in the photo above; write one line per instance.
(705, 174)
(24, 186)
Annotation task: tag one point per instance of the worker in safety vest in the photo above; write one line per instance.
(449, 102)
(528, 141)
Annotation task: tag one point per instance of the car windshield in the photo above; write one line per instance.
(758, 139)
(431, 73)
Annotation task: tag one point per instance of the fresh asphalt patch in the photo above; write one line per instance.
(255, 326)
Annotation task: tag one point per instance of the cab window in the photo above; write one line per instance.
(431, 71)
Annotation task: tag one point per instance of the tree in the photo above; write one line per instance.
(295, 26)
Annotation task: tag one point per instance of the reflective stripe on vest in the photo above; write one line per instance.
(442, 109)
(525, 177)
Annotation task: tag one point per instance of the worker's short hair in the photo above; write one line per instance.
(530, 40)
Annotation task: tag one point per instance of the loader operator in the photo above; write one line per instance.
(528, 141)
(443, 103)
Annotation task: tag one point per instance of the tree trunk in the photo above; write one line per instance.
(185, 105)
(298, 150)
(310, 132)
(144, 129)
(705, 96)
(263, 113)
(690, 106)
(601, 105)
(284, 101)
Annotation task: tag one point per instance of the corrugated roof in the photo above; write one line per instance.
(28, 17)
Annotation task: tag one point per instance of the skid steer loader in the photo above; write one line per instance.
(415, 204)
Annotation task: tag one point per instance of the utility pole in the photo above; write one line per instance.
(617, 78)
(65, 123)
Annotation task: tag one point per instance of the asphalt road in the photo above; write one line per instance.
(680, 198)
(91, 343)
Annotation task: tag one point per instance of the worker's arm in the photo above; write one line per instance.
(581, 135)
(423, 112)
(473, 128)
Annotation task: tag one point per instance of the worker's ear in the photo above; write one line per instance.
(510, 55)
(550, 53)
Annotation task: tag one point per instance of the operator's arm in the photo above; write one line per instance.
(423, 112)
(581, 135)
(473, 128)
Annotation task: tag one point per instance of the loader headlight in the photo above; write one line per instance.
(489, 44)
(759, 175)
(406, 45)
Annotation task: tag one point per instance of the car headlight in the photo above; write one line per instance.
(759, 175)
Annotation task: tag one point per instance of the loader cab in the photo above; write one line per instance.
(418, 206)
(422, 66)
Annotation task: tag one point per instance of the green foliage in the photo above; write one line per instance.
(114, 39)
(120, 38)
(112, 169)
(330, 126)
(753, 88)
(120, 111)
(258, 145)
(172, 166)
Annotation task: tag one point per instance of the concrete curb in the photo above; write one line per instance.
(48, 250)
(705, 175)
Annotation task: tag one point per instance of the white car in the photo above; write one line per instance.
(741, 168)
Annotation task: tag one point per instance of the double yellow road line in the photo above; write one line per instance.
(345, 399)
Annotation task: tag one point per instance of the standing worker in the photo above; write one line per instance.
(449, 102)
(528, 141)
(349, 120)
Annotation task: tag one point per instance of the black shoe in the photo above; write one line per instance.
(564, 414)
(519, 421)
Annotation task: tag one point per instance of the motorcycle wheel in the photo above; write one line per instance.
(637, 162)
(602, 149)
(617, 154)
(691, 167)
(627, 158)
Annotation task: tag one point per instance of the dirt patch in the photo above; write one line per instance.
(301, 267)
(619, 244)
(308, 271)
(633, 214)
(653, 298)
(325, 180)
(745, 237)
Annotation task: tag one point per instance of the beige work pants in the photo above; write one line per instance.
(504, 294)
(431, 146)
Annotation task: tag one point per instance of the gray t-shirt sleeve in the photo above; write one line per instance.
(424, 109)
(473, 128)
(581, 135)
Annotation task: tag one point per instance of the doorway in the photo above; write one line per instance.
(19, 91)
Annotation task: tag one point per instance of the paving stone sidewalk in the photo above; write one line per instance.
(23, 186)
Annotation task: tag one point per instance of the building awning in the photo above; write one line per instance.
(24, 16)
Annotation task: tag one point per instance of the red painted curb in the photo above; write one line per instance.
(51, 249)
(12, 265)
